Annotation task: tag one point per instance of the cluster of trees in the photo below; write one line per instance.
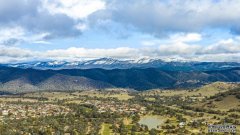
(230, 120)
(201, 109)
(220, 96)
(85, 119)
(45, 126)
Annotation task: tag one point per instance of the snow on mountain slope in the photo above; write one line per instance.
(110, 63)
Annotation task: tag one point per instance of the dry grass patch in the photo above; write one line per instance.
(52, 95)
(119, 95)
(13, 99)
(229, 102)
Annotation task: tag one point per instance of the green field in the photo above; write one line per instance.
(106, 129)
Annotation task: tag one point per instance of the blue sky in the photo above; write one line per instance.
(191, 30)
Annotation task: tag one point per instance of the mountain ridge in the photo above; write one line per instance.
(25, 80)
(110, 63)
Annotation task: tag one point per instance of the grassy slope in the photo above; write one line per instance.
(105, 129)
(208, 90)
(120, 96)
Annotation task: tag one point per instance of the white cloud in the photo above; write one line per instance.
(223, 57)
(230, 52)
(8, 35)
(183, 45)
(161, 17)
(77, 9)
(74, 53)
(41, 42)
(186, 37)
(34, 18)
(222, 47)
(15, 52)
(4, 59)
(17, 35)
(176, 44)
(177, 38)
(178, 49)
(82, 26)
(182, 21)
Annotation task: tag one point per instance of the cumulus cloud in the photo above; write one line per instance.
(76, 9)
(11, 35)
(223, 46)
(223, 51)
(176, 44)
(18, 35)
(15, 52)
(159, 17)
(186, 37)
(33, 18)
(73, 53)
(223, 57)
(178, 49)
(68, 18)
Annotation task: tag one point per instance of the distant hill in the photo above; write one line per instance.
(17, 80)
(25, 80)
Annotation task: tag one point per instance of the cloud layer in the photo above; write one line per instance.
(61, 18)
(159, 17)
(176, 48)
(180, 24)
(34, 18)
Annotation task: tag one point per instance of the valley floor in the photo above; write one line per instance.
(121, 112)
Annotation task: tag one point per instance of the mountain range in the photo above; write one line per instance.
(110, 63)
(18, 80)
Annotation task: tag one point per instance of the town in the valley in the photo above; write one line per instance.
(122, 112)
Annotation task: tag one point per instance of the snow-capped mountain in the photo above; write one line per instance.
(110, 63)
(106, 63)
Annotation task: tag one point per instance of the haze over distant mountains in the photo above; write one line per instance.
(105, 73)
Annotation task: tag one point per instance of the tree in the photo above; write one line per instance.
(114, 128)
(136, 118)
(122, 129)
(153, 132)
(74, 132)
(146, 128)
(167, 121)
(134, 130)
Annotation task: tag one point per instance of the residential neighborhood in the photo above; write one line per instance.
(20, 111)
